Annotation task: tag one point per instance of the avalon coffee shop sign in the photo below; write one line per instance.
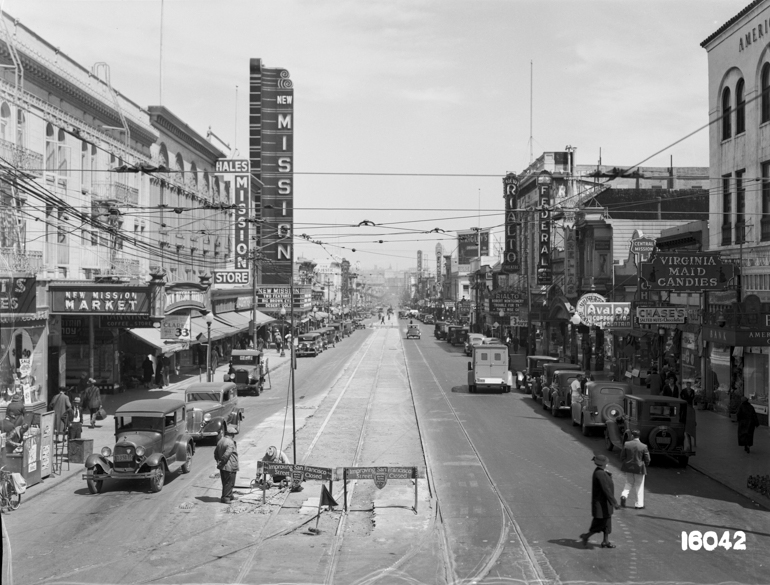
(94, 299)
(687, 271)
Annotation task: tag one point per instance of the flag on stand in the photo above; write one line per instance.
(326, 498)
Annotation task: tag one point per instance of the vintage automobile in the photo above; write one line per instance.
(429, 319)
(557, 396)
(547, 387)
(212, 407)
(413, 331)
(488, 369)
(310, 344)
(529, 380)
(457, 334)
(597, 403)
(246, 371)
(439, 329)
(660, 421)
(150, 437)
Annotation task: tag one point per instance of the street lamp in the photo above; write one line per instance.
(209, 320)
(283, 325)
(501, 313)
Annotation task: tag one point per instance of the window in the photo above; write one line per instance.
(740, 207)
(50, 148)
(726, 113)
(740, 107)
(21, 129)
(765, 200)
(765, 106)
(726, 211)
(5, 121)
(56, 151)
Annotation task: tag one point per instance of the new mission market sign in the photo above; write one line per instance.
(692, 271)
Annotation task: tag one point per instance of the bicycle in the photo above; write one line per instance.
(9, 497)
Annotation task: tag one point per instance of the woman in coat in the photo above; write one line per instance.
(61, 407)
(148, 370)
(747, 422)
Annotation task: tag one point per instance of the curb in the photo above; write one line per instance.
(731, 488)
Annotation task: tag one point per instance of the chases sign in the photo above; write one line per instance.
(661, 314)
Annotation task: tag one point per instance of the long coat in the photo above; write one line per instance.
(61, 407)
(747, 422)
(603, 500)
(226, 454)
(635, 457)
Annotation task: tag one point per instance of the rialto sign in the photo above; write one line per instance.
(687, 272)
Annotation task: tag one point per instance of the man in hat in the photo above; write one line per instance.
(75, 419)
(226, 456)
(603, 502)
(635, 457)
(61, 406)
(93, 401)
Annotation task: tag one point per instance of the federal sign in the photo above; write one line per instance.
(687, 272)
(661, 314)
(176, 327)
(232, 277)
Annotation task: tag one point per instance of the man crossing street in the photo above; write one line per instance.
(635, 457)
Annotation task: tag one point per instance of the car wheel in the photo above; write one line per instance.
(586, 430)
(607, 442)
(542, 402)
(94, 485)
(158, 479)
(472, 388)
(187, 465)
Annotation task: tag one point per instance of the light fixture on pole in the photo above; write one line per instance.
(501, 313)
(283, 325)
(209, 320)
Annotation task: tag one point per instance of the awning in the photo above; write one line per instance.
(235, 320)
(320, 315)
(219, 330)
(151, 337)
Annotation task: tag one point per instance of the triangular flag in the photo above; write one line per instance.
(326, 497)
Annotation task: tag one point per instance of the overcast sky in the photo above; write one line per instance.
(433, 87)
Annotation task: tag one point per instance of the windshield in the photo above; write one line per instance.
(145, 423)
(200, 396)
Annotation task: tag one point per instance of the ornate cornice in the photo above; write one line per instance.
(162, 117)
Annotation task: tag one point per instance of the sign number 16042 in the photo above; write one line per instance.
(695, 540)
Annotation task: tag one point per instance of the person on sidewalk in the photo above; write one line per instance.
(635, 457)
(15, 411)
(654, 382)
(226, 456)
(603, 502)
(159, 372)
(747, 422)
(148, 370)
(75, 430)
(166, 361)
(61, 406)
(93, 401)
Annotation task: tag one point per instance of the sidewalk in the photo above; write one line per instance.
(720, 458)
(104, 433)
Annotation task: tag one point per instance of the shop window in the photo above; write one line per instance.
(726, 113)
(740, 107)
(5, 121)
(726, 211)
(765, 105)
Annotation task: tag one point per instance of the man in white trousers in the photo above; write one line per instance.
(635, 457)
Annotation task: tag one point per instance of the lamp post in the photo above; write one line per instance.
(501, 314)
(283, 326)
(661, 347)
(209, 320)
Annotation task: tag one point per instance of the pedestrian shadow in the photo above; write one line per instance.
(572, 543)
(207, 499)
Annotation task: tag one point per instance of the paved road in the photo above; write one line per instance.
(540, 468)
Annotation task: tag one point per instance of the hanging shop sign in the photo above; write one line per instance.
(176, 327)
(472, 244)
(128, 321)
(275, 297)
(687, 272)
(419, 262)
(593, 309)
(507, 300)
(544, 270)
(661, 314)
(17, 295)
(439, 256)
(187, 295)
(237, 174)
(511, 264)
(736, 337)
(95, 299)
(570, 263)
(643, 247)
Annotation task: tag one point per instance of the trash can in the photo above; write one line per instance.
(80, 449)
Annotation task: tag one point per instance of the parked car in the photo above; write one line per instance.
(429, 319)
(246, 371)
(547, 387)
(557, 396)
(488, 369)
(413, 331)
(598, 403)
(212, 407)
(529, 380)
(439, 329)
(150, 438)
(457, 334)
(310, 344)
(660, 421)
(471, 340)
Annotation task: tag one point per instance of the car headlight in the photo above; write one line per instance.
(207, 417)
(140, 451)
(106, 451)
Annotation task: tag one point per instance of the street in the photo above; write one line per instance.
(507, 494)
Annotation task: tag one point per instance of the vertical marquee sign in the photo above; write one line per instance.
(345, 267)
(510, 194)
(271, 139)
(544, 272)
(439, 256)
(419, 263)
(237, 172)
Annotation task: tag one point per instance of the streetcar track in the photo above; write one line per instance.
(535, 564)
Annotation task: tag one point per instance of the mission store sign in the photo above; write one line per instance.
(94, 299)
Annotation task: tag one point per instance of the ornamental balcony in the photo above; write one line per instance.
(119, 192)
(22, 158)
(21, 261)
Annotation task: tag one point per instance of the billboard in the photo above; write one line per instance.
(511, 264)
(687, 272)
(271, 140)
(570, 263)
(18, 295)
(468, 244)
(544, 271)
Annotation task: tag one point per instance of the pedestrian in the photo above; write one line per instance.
(654, 382)
(15, 439)
(260, 344)
(688, 394)
(273, 455)
(603, 502)
(515, 343)
(226, 456)
(148, 370)
(61, 406)
(159, 372)
(635, 457)
(82, 385)
(75, 420)
(577, 386)
(690, 422)
(93, 401)
(166, 361)
(15, 411)
(747, 422)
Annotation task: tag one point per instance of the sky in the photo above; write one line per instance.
(430, 100)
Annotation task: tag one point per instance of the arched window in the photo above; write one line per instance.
(163, 156)
(179, 169)
(206, 183)
(21, 129)
(727, 129)
(5, 121)
(740, 107)
(50, 148)
(193, 175)
(765, 81)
